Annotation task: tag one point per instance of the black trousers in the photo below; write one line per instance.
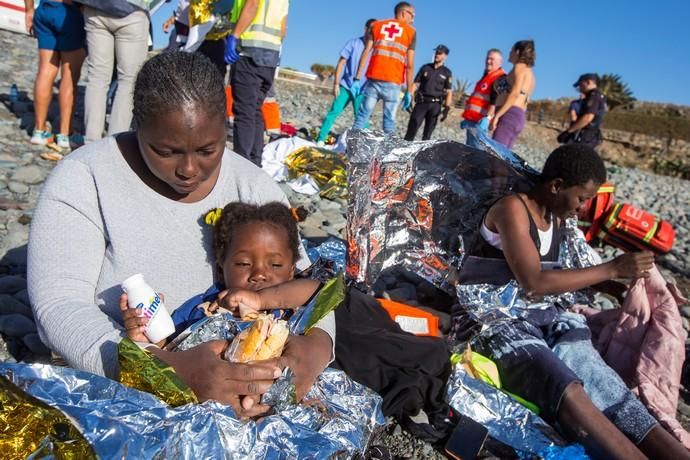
(215, 51)
(591, 137)
(427, 112)
(250, 83)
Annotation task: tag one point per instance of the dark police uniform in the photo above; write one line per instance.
(594, 103)
(433, 84)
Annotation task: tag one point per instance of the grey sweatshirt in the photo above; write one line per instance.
(96, 223)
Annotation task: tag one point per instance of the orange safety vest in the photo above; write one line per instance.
(392, 39)
(478, 103)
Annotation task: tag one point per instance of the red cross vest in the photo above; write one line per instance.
(392, 39)
(478, 103)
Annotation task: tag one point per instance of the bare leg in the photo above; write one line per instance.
(588, 426)
(659, 443)
(70, 69)
(48, 65)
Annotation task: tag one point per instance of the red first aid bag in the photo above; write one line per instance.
(631, 229)
(591, 215)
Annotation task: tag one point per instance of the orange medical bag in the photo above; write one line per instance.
(630, 228)
(590, 217)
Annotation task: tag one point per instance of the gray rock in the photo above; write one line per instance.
(31, 174)
(18, 187)
(13, 252)
(9, 304)
(685, 312)
(33, 342)
(16, 325)
(11, 284)
(5, 356)
(23, 297)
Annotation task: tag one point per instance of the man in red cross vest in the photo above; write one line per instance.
(478, 108)
(391, 43)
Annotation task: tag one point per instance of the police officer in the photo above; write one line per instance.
(433, 95)
(587, 128)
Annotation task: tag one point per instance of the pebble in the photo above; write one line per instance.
(16, 325)
(34, 343)
(5, 356)
(23, 297)
(10, 304)
(11, 284)
(32, 174)
(18, 187)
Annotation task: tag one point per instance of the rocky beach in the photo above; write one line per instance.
(22, 171)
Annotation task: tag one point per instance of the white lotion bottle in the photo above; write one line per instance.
(140, 295)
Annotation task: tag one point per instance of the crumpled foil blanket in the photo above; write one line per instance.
(487, 302)
(411, 204)
(337, 419)
(506, 419)
(123, 423)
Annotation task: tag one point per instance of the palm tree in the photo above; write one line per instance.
(460, 92)
(323, 71)
(618, 93)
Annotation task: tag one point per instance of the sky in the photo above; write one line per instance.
(647, 43)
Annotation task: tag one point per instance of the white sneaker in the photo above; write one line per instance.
(63, 141)
(40, 137)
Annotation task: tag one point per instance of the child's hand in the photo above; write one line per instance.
(245, 304)
(135, 325)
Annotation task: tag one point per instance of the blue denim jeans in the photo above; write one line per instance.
(538, 363)
(471, 140)
(375, 90)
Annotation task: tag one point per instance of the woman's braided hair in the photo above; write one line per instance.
(174, 80)
(236, 214)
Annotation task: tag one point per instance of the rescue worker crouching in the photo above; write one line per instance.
(432, 95)
(587, 128)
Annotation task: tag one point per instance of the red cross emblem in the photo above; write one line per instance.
(391, 30)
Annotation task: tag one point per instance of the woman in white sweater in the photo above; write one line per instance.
(132, 203)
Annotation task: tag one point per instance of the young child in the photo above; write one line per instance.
(256, 249)
(59, 27)
(550, 360)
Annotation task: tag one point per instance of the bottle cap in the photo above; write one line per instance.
(132, 282)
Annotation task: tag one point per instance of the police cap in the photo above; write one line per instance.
(585, 77)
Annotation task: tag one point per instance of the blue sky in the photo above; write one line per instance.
(647, 43)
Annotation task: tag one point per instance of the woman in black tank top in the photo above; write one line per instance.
(571, 175)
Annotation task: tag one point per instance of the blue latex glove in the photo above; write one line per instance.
(231, 55)
(406, 101)
(356, 88)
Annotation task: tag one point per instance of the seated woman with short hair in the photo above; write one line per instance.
(550, 360)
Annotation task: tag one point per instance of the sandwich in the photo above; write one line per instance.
(264, 339)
